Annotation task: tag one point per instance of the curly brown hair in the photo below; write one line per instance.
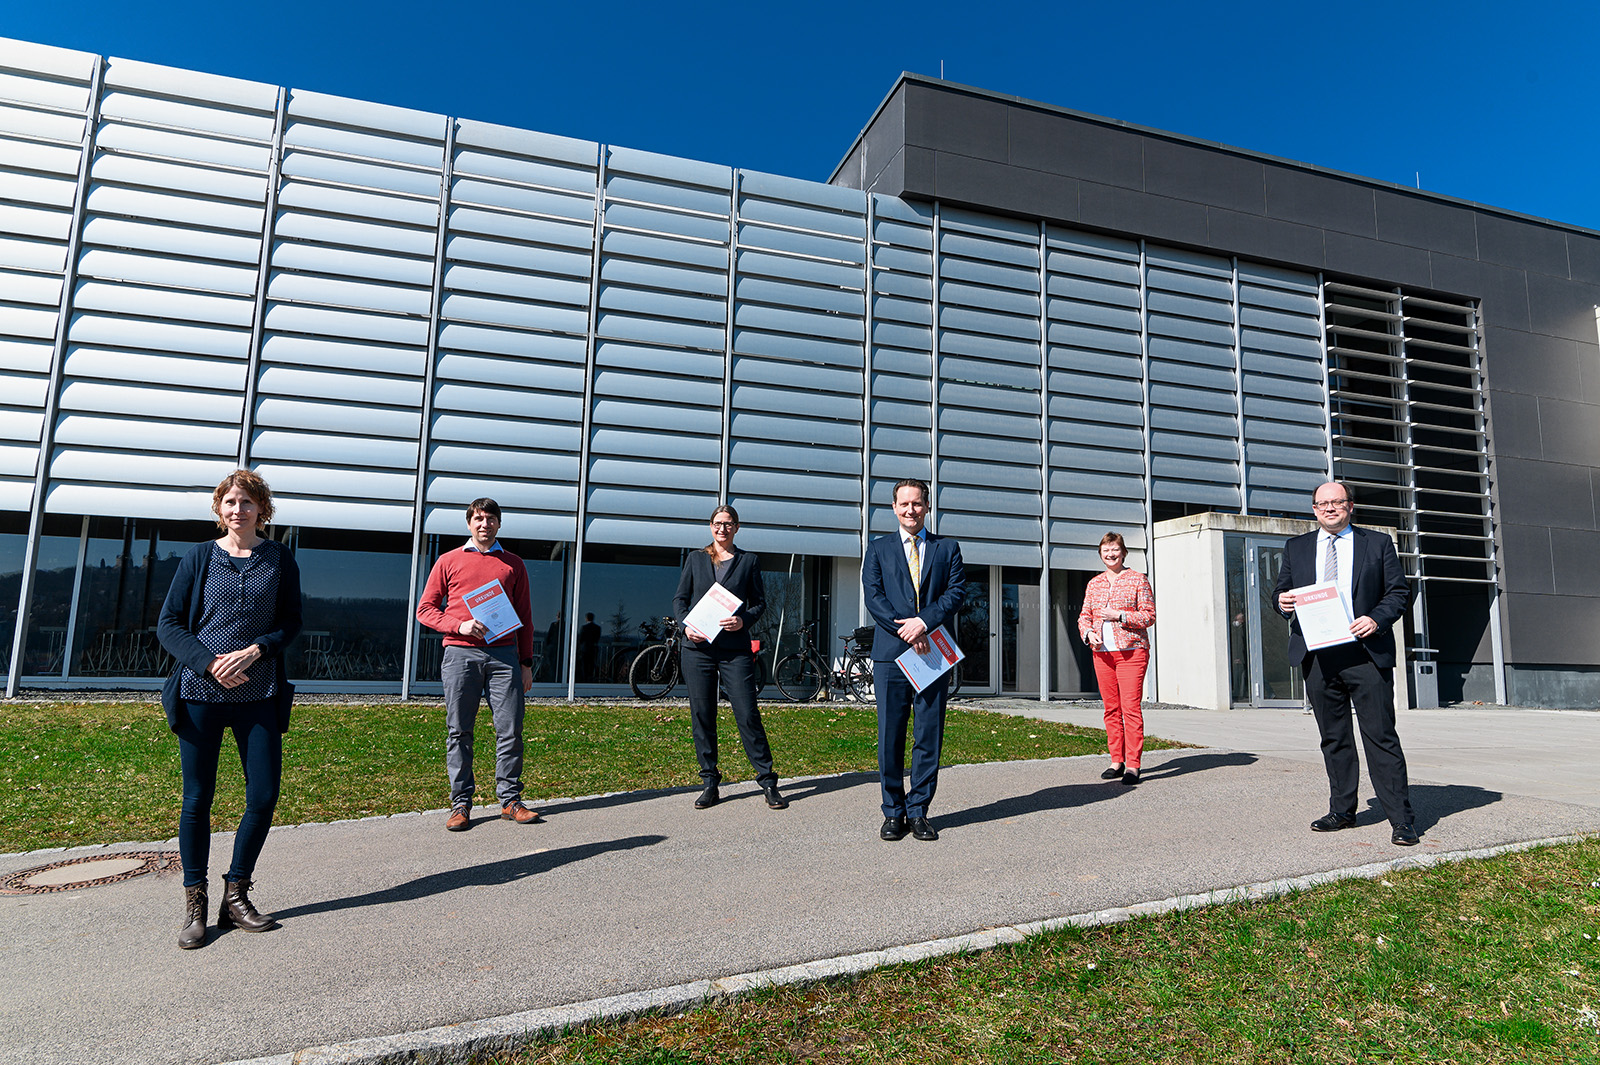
(254, 487)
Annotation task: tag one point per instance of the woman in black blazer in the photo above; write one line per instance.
(726, 656)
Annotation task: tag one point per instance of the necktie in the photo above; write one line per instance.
(916, 571)
(1330, 561)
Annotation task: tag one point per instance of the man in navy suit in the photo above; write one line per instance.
(1364, 566)
(914, 582)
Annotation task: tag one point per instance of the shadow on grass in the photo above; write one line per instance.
(489, 874)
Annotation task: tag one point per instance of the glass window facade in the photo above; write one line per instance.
(128, 565)
(13, 549)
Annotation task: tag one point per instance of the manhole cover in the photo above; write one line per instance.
(73, 874)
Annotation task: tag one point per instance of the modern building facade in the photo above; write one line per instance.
(1066, 324)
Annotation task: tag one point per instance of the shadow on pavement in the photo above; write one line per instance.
(1196, 763)
(1432, 803)
(490, 874)
(1061, 797)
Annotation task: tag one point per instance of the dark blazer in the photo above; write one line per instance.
(1378, 588)
(886, 579)
(180, 620)
(743, 580)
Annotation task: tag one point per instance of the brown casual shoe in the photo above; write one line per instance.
(460, 819)
(520, 812)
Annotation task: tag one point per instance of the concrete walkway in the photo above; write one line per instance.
(393, 926)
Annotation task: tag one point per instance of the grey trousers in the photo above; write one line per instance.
(470, 673)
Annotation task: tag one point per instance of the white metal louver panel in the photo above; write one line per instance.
(900, 441)
(509, 378)
(1095, 358)
(990, 398)
(1450, 472)
(42, 127)
(157, 360)
(340, 390)
(1281, 378)
(799, 332)
(1193, 379)
(661, 330)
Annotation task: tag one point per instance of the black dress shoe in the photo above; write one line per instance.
(1111, 774)
(1130, 776)
(708, 798)
(893, 830)
(1405, 835)
(1333, 822)
(774, 799)
(922, 828)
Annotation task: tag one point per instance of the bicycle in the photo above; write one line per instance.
(803, 676)
(655, 669)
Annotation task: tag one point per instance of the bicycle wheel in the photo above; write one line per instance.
(761, 673)
(858, 679)
(800, 678)
(654, 672)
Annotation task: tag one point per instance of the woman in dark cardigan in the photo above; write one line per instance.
(726, 656)
(234, 602)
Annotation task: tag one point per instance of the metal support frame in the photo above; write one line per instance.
(1327, 382)
(69, 637)
(1238, 385)
(419, 499)
(1149, 461)
(933, 372)
(41, 471)
(252, 377)
(588, 423)
(734, 179)
(866, 397)
(1044, 464)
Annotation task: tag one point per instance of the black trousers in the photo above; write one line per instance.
(735, 667)
(1339, 679)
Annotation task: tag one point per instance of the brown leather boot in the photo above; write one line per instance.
(236, 911)
(194, 918)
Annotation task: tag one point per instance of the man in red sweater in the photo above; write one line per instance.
(475, 666)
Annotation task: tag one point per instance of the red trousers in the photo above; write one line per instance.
(1121, 677)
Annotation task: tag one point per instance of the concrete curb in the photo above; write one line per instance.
(463, 1042)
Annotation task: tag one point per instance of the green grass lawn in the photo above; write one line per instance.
(1480, 962)
(79, 773)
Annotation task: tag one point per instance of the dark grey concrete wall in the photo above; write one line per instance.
(1538, 283)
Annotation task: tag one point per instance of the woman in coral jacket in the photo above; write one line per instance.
(1118, 608)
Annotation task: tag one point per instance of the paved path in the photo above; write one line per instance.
(392, 925)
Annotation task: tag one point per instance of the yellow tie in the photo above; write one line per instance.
(916, 571)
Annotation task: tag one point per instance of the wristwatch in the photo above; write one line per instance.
(527, 663)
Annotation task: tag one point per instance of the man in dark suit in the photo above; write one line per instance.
(914, 582)
(1360, 674)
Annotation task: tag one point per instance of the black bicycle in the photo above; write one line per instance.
(803, 676)
(655, 669)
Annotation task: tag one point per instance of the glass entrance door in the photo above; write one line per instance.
(1258, 636)
(974, 634)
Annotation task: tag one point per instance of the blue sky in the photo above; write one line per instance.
(1495, 103)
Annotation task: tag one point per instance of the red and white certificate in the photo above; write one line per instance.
(1324, 617)
(943, 654)
(705, 617)
(491, 605)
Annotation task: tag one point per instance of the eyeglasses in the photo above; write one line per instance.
(1331, 504)
(724, 525)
